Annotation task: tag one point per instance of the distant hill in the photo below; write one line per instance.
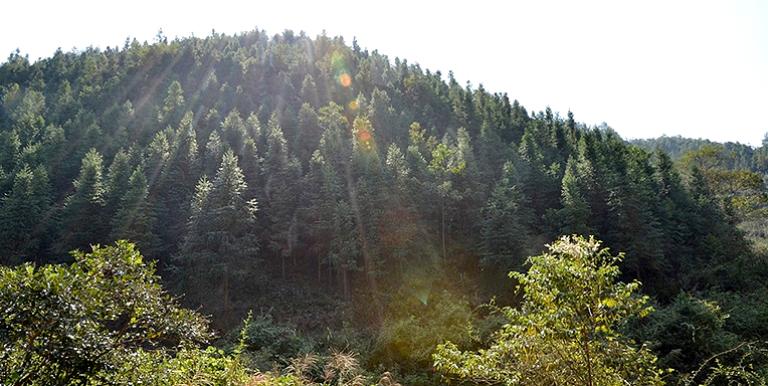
(740, 156)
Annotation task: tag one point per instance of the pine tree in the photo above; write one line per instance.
(157, 154)
(366, 198)
(446, 163)
(576, 186)
(639, 226)
(214, 151)
(172, 109)
(308, 134)
(401, 233)
(221, 247)
(505, 221)
(383, 118)
(320, 198)
(83, 219)
(470, 188)
(10, 150)
(117, 183)
(233, 132)
(344, 249)
(177, 184)
(281, 174)
(134, 219)
(24, 215)
(309, 91)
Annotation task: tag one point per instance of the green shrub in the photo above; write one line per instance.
(71, 324)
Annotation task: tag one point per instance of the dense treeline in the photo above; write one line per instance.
(266, 171)
(735, 173)
(734, 155)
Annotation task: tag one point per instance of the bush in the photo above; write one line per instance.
(72, 324)
(423, 313)
(268, 344)
(686, 332)
(566, 330)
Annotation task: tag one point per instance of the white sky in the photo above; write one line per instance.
(696, 68)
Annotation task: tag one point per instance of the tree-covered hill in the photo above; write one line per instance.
(335, 185)
(735, 155)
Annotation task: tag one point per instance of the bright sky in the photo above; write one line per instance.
(697, 68)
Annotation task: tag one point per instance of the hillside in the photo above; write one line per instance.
(355, 201)
(739, 156)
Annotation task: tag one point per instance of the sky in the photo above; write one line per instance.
(695, 68)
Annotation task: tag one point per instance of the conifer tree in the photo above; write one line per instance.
(172, 109)
(282, 172)
(24, 215)
(366, 198)
(10, 150)
(505, 221)
(177, 184)
(233, 132)
(345, 245)
(576, 182)
(446, 163)
(309, 92)
(134, 219)
(83, 214)
(402, 232)
(221, 247)
(214, 150)
(156, 156)
(308, 133)
(117, 182)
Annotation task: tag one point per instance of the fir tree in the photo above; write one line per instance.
(220, 249)
(280, 194)
(172, 109)
(24, 215)
(134, 219)
(177, 184)
(505, 221)
(83, 214)
(576, 184)
(117, 182)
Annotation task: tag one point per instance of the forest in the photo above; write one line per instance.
(257, 209)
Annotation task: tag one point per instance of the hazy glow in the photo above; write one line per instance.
(345, 80)
(696, 68)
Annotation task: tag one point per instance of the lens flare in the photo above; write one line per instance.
(364, 136)
(345, 80)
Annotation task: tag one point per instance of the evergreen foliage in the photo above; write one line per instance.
(366, 169)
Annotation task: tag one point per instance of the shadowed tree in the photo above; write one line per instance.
(505, 221)
(83, 213)
(24, 216)
(220, 249)
(282, 172)
(117, 183)
(134, 219)
(177, 184)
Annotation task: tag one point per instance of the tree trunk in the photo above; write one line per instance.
(442, 225)
(368, 263)
(225, 284)
(345, 283)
